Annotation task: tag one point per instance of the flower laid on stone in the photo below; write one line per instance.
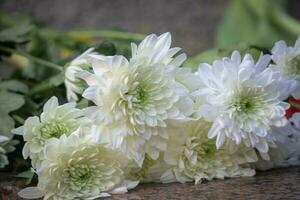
(244, 100)
(56, 120)
(75, 166)
(149, 119)
(194, 157)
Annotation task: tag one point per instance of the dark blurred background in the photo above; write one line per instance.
(193, 23)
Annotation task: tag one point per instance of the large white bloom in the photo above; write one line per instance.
(73, 82)
(6, 146)
(193, 157)
(135, 98)
(55, 121)
(75, 167)
(287, 61)
(243, 99)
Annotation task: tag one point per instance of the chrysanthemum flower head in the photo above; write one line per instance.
(73, 82)
(193, 157)
(243, 99)
(55, 121)
(75, 167)
(287, 61)
(135, 98)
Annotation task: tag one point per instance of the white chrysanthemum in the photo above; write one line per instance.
(6, 146)
(75, 167)
(73, 83)
(287, 150)
(135, 98)
(287, 61)
(194, 157)
(54, 121)
(243, 99)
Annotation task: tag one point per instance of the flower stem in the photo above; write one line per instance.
(107, 34)
(32, 58)
(286, 22)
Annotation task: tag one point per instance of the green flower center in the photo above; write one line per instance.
(78, 176)
(141, 94)
(204, 147)
(294, 66)
(54, 129)
(247, 102)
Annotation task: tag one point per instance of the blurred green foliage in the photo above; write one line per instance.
(251, 26)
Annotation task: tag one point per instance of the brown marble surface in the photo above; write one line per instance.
(274, 184)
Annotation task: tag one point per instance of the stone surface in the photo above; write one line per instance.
(274, 184)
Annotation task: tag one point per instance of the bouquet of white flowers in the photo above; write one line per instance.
(151, 119)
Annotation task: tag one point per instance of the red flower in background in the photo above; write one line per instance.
(295, 105)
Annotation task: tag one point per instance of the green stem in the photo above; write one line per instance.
(284, 21)
(32, 58)
(107, 34)
(18, 119)
(42, 87)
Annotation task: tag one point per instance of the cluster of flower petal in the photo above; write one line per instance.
(134, 98)
(6, 145)
(73, 80)
(243, 99)
(54, 121)
(75, 167)
(287, 62)
(286, 152)
(193, 157)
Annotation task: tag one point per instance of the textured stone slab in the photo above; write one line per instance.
(274, 184)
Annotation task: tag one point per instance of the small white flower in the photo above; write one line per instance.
(75, 167)
(243, 99)
(194, 157)
(135, 98)
(54, 121)
(73, 82)
(6, 146)
(287, 61)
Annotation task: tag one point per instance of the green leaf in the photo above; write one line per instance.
(28, 175)
(6, 124)
(16, 34)
(57, 80)
(206, 57)
(10, 101)
(14, 86)
(214, 54)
